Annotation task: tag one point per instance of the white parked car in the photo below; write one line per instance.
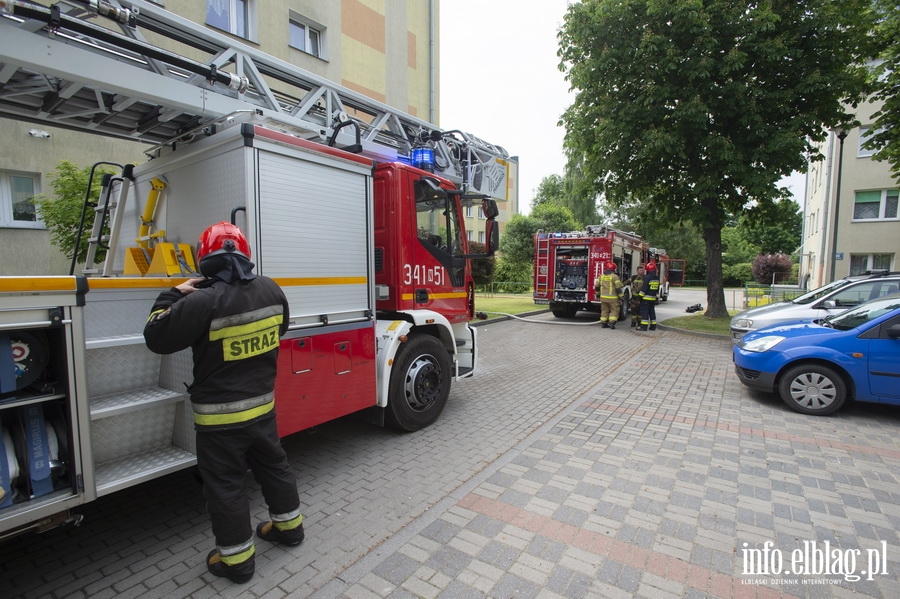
(831, 299)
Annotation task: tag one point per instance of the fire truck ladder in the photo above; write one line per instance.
(542, 280)
(60, 66)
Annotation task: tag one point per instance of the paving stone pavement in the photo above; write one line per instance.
(579, 462)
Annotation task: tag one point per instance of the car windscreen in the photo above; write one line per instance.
(811, 296)
(865, 313)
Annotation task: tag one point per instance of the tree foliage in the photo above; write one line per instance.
(569, 191)
(698, 109)
(61, 212)
(886, 78)
(517, 241)
(775, 227)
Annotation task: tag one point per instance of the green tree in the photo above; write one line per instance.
(61, 212)
(551, 190)
(700, 108)
(886, 78)
(775, 227)
(517, 241)
(568, 191)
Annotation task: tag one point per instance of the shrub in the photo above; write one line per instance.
(737, 274)
(512, 277)
(772, 268)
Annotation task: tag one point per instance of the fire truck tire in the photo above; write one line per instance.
(420, 383)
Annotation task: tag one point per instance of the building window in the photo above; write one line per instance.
(469, 211)
(481, 237)
(861, 263)
(17, 191)
(864, 134)
(876, 205)
(480, 213)
(306, 35)
(234, 16)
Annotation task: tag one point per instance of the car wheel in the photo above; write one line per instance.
(813, 389)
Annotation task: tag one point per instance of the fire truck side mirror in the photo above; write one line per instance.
(492, 236)
(490, 209)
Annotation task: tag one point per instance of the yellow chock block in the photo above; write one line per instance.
(137, 261)
(172, 259)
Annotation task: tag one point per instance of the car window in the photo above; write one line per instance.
(862, 314)
(854, 295)
(886, 325)
(815, 294)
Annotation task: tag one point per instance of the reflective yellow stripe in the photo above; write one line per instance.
(240, 330)
(237, 558)
(38, 283)
(233, 417)
(434, 296)
(290, 524)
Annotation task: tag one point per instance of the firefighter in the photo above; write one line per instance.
(636, 282)
(232, 320)
(608, 287)
(649, 294)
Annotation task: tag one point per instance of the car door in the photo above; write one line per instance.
(884, 364)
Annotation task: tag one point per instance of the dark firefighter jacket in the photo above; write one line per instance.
(650, 289)
(233, 330)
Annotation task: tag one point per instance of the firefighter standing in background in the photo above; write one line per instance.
(636, 282)
(649, 294)
(609, 289)
(232, 319)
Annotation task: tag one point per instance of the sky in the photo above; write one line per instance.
(500, 81)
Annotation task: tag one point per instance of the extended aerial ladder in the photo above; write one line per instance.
(60, 65)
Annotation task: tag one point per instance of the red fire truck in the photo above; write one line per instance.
(356, 210)
(567, 264)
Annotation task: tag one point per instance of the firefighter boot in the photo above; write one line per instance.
(237, 573)
(612, 324)
(633, 324)
(604, 325)
(652, 327)
(268, 532)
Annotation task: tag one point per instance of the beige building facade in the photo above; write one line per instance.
(384, 49)
(851, 219)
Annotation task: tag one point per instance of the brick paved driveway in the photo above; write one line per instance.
(579, 462)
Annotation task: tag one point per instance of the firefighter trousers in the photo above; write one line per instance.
(609, 310)
(648, 314)
(223, 457)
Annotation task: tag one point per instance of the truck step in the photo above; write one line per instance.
(146, 465)
(131, 401)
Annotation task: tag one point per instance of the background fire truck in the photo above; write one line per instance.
(567, 264)
(356, 210)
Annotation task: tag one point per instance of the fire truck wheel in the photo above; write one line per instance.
(420, 383)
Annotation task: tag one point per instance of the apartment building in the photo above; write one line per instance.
(851, 221)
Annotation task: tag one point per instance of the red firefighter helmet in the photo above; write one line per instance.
(222, 238)
(611, 266)
(650, 267)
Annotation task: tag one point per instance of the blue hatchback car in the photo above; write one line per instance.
(816, 366)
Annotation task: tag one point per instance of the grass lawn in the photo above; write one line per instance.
(498, 304)
(502, 303)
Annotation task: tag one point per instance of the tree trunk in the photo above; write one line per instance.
(715, 290)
